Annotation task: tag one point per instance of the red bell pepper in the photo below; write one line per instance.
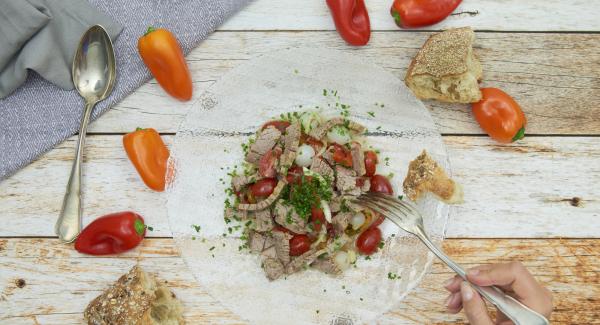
(419, 13)
(351, 20)
(111, 234)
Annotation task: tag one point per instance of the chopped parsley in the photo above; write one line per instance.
(381, 244)
(393, 276)
(212, 248)
(372, 114)
(308, 193)
(400, 197)
(196, 228)
(296, 71)
(150, 228)
(368, 258)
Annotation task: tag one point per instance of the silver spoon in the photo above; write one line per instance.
(94, 72)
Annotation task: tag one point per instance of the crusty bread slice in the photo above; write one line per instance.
(446, 69)
(425, 175)
(136, 298)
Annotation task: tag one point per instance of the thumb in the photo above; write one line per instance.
(474, 306)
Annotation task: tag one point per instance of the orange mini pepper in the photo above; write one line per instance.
(500, 116)
(163, 56)
(149, 156)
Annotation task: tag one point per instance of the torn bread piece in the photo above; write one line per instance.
(446, 69)
(136, 298)
(425, 175)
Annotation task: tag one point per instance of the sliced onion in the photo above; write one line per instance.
(326, 210)
(339, 134)
(305, 155)
(358, 219)
(342, 260)
(351, 256)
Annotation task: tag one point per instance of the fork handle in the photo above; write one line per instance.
(513, 309)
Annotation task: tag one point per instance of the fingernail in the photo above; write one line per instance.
(447, 301)
(466, 291)
(472, 272)
(448, 282)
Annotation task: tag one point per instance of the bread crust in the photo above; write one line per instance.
(446, 57)
(131, 300)
(425, 175)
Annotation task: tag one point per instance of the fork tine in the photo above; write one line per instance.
(404, 206)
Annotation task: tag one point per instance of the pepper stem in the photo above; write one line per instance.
(149, 30)
(139, 129)
(139, 226)
(397, 18)
(520, 135)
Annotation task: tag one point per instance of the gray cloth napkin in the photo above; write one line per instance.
(39, 115)
(41, 36)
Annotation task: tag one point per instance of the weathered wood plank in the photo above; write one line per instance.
(555, 77)
(540, 187)
(60, 282)
(532, 15)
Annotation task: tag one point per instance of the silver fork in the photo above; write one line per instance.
(407, 217)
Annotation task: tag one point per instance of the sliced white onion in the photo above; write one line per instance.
(358, 219)
(326, 211)
(342, 260)
(305, 155)
(339, 134)
(351, 256)
(310, 120)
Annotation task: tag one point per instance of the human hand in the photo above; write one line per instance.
(512, 277)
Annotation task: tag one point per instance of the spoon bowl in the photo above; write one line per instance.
(93, 68)
(94, 74)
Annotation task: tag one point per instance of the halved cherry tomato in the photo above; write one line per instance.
(279, 125)
(299, 245)
(378, 219)
(263, 187)
(368, 241)
(314, 143)
(500, 116)
(266, 164)
(370, 162)
(360, 181)
(381, 184)
(341, 155)
(294, 175)
(317, 218)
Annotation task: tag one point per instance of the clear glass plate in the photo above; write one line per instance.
(209, 141)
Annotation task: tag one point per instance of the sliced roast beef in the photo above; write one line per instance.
(256, 241)
(326, 265)
(238, 182)
(321, 167)
(265, 141)
(235, 214)
(266, 202)
(263, 220)
(341, 220)
(273, 268)
(328, 156)
(282, 245)
(269, 252)
(291, 141)
(345, 179)
(302, 262)
(286, 216)
(321, 131)
(358, 159)
(267, 165)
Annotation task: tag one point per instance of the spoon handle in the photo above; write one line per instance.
(68, 224)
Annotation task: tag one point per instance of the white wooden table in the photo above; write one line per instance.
(537, 201)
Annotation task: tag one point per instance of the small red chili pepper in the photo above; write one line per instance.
(351, 20)
(111, 234)
(419, 13)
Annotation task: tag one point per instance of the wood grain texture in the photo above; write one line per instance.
(554, 77)
(58, 282)
(539, 187)
(513, 15)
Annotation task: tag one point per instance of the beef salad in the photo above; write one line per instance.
(293, 195)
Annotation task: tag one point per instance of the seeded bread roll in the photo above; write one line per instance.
(135, 299)
(446, 69)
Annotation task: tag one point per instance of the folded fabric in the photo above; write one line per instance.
(38, 115)
(42, 35)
